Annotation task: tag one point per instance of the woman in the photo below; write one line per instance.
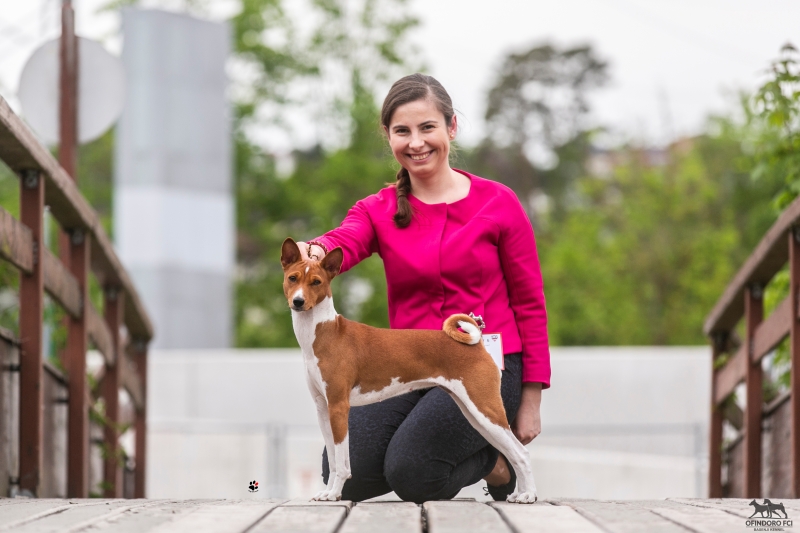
(451, 243)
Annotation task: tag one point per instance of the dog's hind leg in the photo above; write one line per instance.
(499, 435)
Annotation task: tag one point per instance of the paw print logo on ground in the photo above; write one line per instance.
(254, 486)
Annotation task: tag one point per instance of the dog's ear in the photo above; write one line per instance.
(290, 253)
(332, 262)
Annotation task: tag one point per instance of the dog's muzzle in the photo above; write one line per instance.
(298, 303)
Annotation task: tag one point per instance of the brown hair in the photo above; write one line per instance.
(405, 90)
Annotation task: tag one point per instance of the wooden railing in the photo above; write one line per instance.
(743, 299)
(121, 334)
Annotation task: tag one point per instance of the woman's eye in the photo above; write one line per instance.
(292, 278)
(316, 282)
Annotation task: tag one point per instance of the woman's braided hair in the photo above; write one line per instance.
(405, 90)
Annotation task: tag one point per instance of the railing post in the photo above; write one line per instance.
(794, 334)
(754, 382)
(31, 306)
(75, 355)
(140, 358)
(112, 476)
(715, 433)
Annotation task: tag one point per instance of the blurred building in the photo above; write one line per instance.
(173, 203)
(618, 422)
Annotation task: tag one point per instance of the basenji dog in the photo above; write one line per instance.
(351, 364)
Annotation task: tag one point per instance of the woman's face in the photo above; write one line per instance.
(420, 138)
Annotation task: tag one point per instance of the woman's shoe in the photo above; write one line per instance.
(501, 492)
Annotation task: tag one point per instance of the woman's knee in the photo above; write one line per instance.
(418, 482)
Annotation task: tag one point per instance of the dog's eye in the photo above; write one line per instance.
(316, 282)
(292, 278)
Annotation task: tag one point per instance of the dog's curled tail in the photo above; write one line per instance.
(471, 333)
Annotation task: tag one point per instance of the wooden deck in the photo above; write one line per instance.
(458, 516)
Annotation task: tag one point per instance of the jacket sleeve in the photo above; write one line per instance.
(356, 236)
(523, 275)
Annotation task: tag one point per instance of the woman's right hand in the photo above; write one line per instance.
(313, 252)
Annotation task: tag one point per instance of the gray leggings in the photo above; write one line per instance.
(419, 445)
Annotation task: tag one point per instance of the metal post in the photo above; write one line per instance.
(75, 355)
(794, 333)
(754, 314)
(113, 309)
(140, 358)
(31, 306)
(715, 431)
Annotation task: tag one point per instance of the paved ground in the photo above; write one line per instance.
(459, 516)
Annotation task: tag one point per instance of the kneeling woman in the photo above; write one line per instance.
(451, 242)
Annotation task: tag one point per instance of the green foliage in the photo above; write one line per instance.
(775, 117)
(642, 256)
(312, 200)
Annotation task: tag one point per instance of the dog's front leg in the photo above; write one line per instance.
(325, 427)
(338, 411)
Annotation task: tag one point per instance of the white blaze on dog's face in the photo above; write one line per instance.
(306, 282)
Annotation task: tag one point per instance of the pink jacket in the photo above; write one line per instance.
(476, 255)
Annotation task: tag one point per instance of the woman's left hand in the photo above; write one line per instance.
(528, 423)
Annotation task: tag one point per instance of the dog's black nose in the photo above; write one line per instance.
(298, 302)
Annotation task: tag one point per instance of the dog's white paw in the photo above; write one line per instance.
(327, 496)
(522, 497)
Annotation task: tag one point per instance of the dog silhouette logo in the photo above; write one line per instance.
(254, 486)
(771, 509)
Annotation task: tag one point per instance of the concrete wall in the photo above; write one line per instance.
(617, 423)
(173, 202)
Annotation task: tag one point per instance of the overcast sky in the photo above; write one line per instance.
(672, 61)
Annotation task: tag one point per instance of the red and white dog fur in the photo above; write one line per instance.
(352, 364)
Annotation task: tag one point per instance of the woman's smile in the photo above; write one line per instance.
(420, 157)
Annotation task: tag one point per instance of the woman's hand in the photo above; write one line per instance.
(528, 423)
(312, 252)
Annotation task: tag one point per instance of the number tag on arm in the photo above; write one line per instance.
(493, 342)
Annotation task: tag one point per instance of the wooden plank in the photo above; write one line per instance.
(20, 150)
(9, 416)
(112, 470)
(16, 242)
(18, 511)
(308, 519)
(61, 284)
(768, 257)
(754, 382)
(459, 516)
(100, 334)
(545, 518)
(729, 376)
(621, 517)
(132, 382)
(139, 351)
(148, 515)
(715, 426)
(306, 502)
(31, 315)
(773, 330)
(702, 520)
(794, 347)
(386, 517)
(75, 362)
(219, 517)
(74, 515)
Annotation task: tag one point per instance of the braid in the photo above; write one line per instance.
(402, 218)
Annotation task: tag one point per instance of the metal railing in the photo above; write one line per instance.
(744, 299)
(121, 334)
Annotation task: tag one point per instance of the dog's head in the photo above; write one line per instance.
(306, 282)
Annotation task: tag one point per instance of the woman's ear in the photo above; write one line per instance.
(453, 127)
